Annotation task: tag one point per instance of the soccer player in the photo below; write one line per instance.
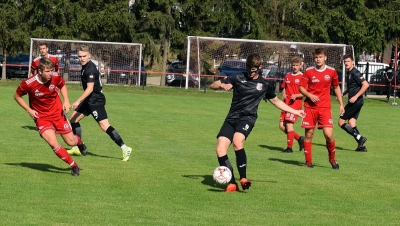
(356, 86)
(294, 99)
(249, 89)
(389, 72)
(315, 86)
(43, 49)
(93, 102)
(46, 109)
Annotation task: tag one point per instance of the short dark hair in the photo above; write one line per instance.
(318, 51)
(43, 44)
(253, 60)
(348, 55)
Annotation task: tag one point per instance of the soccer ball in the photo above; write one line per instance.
(222, 175)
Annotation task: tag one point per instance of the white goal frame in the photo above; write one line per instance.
(196, 57)
(99, 51)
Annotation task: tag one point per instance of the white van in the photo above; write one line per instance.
(372, 68)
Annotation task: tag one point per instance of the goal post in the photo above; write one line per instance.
(118, 63)
(205, 54)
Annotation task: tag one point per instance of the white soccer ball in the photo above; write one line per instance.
(222, 175)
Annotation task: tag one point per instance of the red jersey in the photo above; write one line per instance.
(43, 97)
(291, 84)
(35, 63)
(318, 83)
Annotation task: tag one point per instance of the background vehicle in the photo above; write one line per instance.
(17, 66)
(74, 68)
(378, 82)
(175, 75)
(127, 75)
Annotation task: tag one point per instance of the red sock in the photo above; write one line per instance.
(308, 151)
(63, 155)
(289, 137)
(296, 136)
(79, 141)
(331, 150)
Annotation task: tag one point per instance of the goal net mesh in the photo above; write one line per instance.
(118, 63)
(214, 56)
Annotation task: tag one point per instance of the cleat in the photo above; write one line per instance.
(74, 151)
(245, 183)
(301, 143)
(232, 187)
(75, 171)
(83, 149)
(309, 165)
(287, 150)
(126, 154)
(334, 164)
(361, 149)
(362, 141)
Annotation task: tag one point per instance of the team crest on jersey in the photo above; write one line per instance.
(327, 77)
(297, 81)
(51, 87)
(259, 86)
(330, 121)
(66, 126)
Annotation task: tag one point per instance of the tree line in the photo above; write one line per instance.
(162, 25)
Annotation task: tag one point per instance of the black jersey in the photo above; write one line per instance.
(89, 73)
(389, 71)
(354, 84)
(247, 94)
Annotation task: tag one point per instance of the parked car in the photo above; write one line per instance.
(17, 66)
(378, 82)
(74, 69)
(127, 75)
(175, 75)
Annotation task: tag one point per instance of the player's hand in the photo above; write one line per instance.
(33, 114)
(226, 86)
(301, 113)
(313, 98)
(293, 97)
(353, 99)
(66, 107)
(75, 105)
(341, 110)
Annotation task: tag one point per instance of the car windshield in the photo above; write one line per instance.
(233, 65)
(178, 66)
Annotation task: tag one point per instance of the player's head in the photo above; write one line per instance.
(348, 61)
(253, 64)
(319, 57)
(46, 68)
(296, 64)
(43, 49)
(84, 55)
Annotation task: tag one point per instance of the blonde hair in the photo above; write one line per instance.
(83, 48)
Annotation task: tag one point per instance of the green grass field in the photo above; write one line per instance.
(168, 180)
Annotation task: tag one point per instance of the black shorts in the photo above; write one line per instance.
(351, 110)
(97, 111)
(229, 128)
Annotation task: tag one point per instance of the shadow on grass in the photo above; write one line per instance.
(40, 166)
(208, 181)
(337, 147)
(29, 127)
(94, 155)
(273, 148)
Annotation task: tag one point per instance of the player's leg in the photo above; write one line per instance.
(308, 123)
(224, 140)
(325, 122)
(282, 126)
(351, 114)
(49, 136)
(242, 131)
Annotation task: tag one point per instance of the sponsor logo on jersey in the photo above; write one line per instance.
(259, 86)
(314, 79)
(51, 87)
(38, 93)
(306, 123)
(327, 77)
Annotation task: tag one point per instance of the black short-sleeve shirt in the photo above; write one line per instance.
(354, 84)
(247, 94)
(89, 73)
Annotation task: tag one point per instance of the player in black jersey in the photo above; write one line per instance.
(389, 72)
(93, 102)
(248, 90)
(356, 87)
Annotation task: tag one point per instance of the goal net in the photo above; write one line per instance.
(118, 63)
(217, 56)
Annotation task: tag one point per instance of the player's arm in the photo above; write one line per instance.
(364, 87)
(284, 107)
(338, 94)
(24, 105)
(219, 85)
(304, 92)
(86, 93)
(64, 94)
(283, 94)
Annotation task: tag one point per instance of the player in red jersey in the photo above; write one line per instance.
(43, 49)
(46, 109)
(315, 86)
(294, 99)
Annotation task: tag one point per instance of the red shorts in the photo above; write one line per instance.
(288, 117)
(321, 115)
(59, 124)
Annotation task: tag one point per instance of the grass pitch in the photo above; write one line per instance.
(168, 180)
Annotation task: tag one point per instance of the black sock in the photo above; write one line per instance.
(351, 131)
(224, 161)
(76, 129)
(114, 135)
(241, 162)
